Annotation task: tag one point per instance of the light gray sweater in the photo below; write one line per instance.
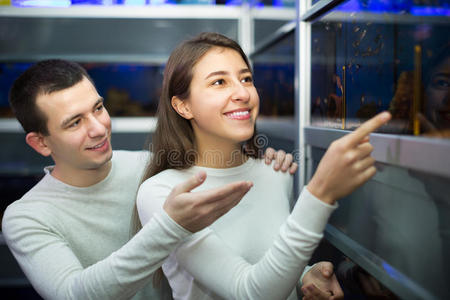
(256, 251)
(74, 243)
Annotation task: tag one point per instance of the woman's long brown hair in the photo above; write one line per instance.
(173, 142)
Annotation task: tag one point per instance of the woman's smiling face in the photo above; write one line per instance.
(223, 102)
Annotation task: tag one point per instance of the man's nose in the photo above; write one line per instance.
(96, 127)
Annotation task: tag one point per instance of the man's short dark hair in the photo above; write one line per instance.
(42, 78)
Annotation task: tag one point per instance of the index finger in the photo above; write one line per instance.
(367, 127)
(220, 193)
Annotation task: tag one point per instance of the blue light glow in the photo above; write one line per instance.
(135, 2)
(396, 6)
(430, 11)
(41, 3)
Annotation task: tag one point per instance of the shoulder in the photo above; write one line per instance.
(159, 186)
(169, 178)
(263, 171)
(124, 156)
(28, 214)
(131, 164)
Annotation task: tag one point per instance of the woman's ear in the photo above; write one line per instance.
(37, 141)
(182, 107)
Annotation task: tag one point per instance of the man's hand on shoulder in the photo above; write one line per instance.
(283, 161)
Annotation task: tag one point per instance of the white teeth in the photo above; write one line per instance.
(98, 146)
(239, 113)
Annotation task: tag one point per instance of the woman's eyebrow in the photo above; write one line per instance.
(242, 71)
(216, 73)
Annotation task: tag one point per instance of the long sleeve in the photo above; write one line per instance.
(218, 268)
(50, 263)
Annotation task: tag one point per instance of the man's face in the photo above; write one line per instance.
(79, 129)
(437, 105)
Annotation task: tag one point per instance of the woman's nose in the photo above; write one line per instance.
(240, 93)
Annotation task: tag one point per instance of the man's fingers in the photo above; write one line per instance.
(222, 205)
(269, 155)
(230, 200)
(220, 193)
(279, 157)
(287, 162)
(367, 127)
(293, 168)
(190, 184)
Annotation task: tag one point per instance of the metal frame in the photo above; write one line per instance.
(418, 153)
(125, 12)
(303, 93)
(118, 125)
(274, 38)
(318, 9)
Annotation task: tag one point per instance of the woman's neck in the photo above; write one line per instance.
(220, 156)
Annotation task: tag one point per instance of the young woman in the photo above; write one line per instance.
(206, 123)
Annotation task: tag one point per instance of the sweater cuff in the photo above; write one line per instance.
(311, 212)
(307, 268)
(169, 224)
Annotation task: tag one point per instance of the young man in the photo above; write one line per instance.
(70, 232)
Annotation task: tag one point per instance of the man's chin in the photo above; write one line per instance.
(101, 164)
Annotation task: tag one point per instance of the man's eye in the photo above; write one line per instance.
(441, 83)
(100, 107)
(74, 124)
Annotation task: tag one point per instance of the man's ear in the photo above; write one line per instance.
(181, 107)
(37, 141)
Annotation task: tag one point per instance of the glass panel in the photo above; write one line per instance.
(369, 56)
(128, 89)
(274, 78)
(264, 28)
(139, 40)
(402, 217)
(67, 3)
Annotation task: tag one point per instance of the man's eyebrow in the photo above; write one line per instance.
(246, 70)
(67, 121)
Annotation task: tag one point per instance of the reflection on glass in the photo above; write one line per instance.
(369, 56)
(274, 78)
(411, 233)
(403, 218)
(129, 89)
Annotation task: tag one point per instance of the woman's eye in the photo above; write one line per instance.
(98, 108)
(247, 79)
(219, 82)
